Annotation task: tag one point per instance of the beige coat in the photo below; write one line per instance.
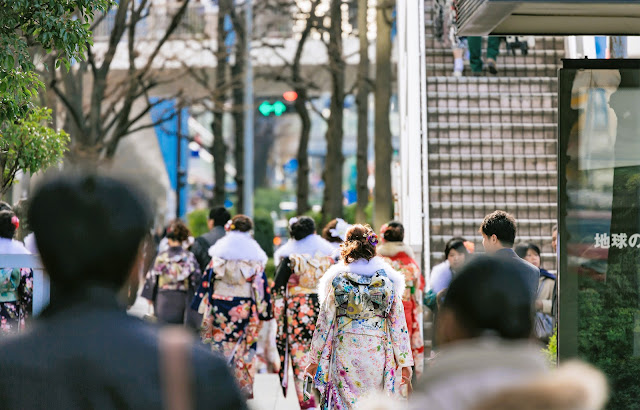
(545, 293)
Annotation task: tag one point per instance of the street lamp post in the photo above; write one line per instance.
(248, 115)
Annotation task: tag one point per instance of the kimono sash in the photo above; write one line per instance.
(362, 297)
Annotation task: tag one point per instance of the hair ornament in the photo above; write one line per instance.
(229, 226)
(340, 231)
(470, 246)
(15, 221)
(372, 238)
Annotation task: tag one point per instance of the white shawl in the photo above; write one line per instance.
(238, 246)
(310, 245)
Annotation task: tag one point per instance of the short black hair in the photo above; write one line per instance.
(456, 243)
(490, 296)
(89, 228)
(394, 232)
(219, 215)
(522, 248)
(302, 227)
(7, 228)
(502, 225)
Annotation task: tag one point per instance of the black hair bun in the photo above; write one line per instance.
(301, 227)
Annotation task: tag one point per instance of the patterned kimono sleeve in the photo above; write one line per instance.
(25, 291)
(400, 334)
(322, 336)
(201, 300)
(262, 295)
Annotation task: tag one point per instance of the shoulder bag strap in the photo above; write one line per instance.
(175, 345)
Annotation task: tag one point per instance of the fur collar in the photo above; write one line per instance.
(10, 246)
(363, 268)
(311, 245)
(238, 246)
(391, 249)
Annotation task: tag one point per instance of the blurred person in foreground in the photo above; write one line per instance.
(303, 260)
(171, 282)
(498, 231)
(16, 284)
(85, 352)
(401, 258)
(488, 358)
(361, 342)
(234, 298)
(544, 298)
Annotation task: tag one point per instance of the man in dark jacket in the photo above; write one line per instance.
(218, 217)
(85, 352)
(498, 231)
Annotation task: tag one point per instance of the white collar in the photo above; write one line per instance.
(12, 247)
(238, 246)
(310, 245)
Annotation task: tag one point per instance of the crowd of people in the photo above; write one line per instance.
(346, 306)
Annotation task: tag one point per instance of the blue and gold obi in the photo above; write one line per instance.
(9, 284)
(362, 302)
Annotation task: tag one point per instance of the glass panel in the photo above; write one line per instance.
(599, 270)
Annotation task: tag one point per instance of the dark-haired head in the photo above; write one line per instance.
(302, 226)
(393, 232)
(7, 224)
(456, 253)
(529, 252)
(89, 229)
(360, 243)
(326, 232)
(498, 231)
(241, 223)
(178, 231)
(218, 216)
(5, 206)
(488, 297)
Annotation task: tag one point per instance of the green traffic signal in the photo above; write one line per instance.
(277, 108)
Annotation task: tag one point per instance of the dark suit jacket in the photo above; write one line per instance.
(87, 353)
(528, 272)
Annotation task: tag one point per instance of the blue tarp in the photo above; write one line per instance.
(167, 140)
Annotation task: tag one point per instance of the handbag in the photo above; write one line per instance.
(543, 327)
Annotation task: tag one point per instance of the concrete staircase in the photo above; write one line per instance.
(492, 144)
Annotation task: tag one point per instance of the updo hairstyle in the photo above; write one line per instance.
(178, 231)
(326, 232)
(357, 246)
(241, 223)
(394, 232)
(302, 227)
(7, 228)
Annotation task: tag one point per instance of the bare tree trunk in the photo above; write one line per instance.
(302, 193)
(219, 150)
(237, 71)
(332, 201)
(362, 99)
(383, 200)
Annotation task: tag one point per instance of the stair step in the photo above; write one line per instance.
(480, 209)
(495, 157)
(478, 239)
(492, 205)
(488, 111)
(488, 95)
(439, 255)
(486, 190)
(478, 221)
(491, 99)
(490, 141)
(476, 172)
(485, 125)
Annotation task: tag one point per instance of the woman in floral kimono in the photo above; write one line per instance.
(175, 271)
(303, 261)
(234, 298)
(361, 343)
(402, 259)
(16, 284)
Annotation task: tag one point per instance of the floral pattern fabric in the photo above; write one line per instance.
(296, 310)
(358, 354)
(412, 301)
(16, 289)
(231, 324)
(173, 269)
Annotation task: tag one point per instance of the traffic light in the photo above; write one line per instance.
(277, 108)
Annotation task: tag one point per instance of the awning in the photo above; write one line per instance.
(548, 17)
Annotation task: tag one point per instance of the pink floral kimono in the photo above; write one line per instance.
(361, 340)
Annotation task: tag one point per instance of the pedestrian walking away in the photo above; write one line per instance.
(401, 258)
(361, 342)
(173, 278)
(475, 54)
(234, 297)
(303, 261)
(16, 284)
(84, 351)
